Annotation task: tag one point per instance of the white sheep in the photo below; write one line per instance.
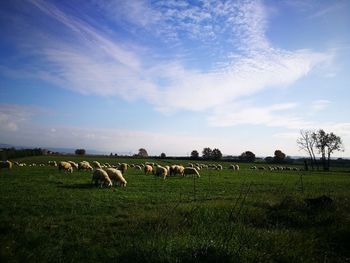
(116, 176)
(66, 166)
(148, 169)
(138, 167)
(179, 169)
(84, 165)
(232, 167)
(101, 177)
(161, 171)
(191, 170)
(123, 167)
(237, 167)
(96, 164)
(74, 165)
(52, 163)
(6, 164)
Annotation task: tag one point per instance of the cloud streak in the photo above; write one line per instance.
(93, 62)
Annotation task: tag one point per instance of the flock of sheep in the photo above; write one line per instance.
(105, 175)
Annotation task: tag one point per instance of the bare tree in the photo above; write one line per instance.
(307, 142)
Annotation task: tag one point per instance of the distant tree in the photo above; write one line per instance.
(247, 156)
(194, 154)
(163, 155)
(80, 152)
(142, 152)
(326, 144)
(207, 153)
(216, 154)
(307, 142)
(279, 156)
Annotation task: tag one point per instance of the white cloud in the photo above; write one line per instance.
(11, 116)
(319, 105)
(276, 115)
(93, 63)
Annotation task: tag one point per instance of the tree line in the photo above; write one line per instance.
(11, 153)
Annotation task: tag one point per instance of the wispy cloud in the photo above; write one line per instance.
(319, 105)
(93, 62)
(11, 116)
(276, 115)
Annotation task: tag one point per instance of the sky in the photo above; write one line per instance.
(174, 76)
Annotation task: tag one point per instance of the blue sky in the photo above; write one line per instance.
(173, 76)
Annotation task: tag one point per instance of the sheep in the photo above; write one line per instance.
(172, 169)
(107, 165)
(237, 167)
(6, 164)
(74, 165)
(52, 163)
(179, 169)
(101, 177)
(96, 164)
(84, 165)
(232, 167)
(66, 166)
(116, 176)
(197, 167)
(148, 169)
(219, 167)
(161, 171)
(123, 167)
(190, 170)
(138, 167)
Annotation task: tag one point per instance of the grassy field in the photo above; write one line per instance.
(223, 216)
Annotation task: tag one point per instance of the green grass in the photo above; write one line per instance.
(240, 216)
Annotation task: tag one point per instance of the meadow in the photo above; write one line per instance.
(223, 216)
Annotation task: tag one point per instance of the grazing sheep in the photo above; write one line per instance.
(107, 165)
(52, 163)
(261, 168)
(116, 176)
(232, 167)
(148, 169)
(179, 169)
(66, 166)
(6, 164)
(219, 167)
(123, 167)
(190, 170)
(138, 167)
(74, 165)
(172, 169)
(197, 167)
(101, 177)
(84, 165)
(237, 167)
(161, 171)
(96, 164)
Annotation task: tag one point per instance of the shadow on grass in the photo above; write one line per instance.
(77, 186)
